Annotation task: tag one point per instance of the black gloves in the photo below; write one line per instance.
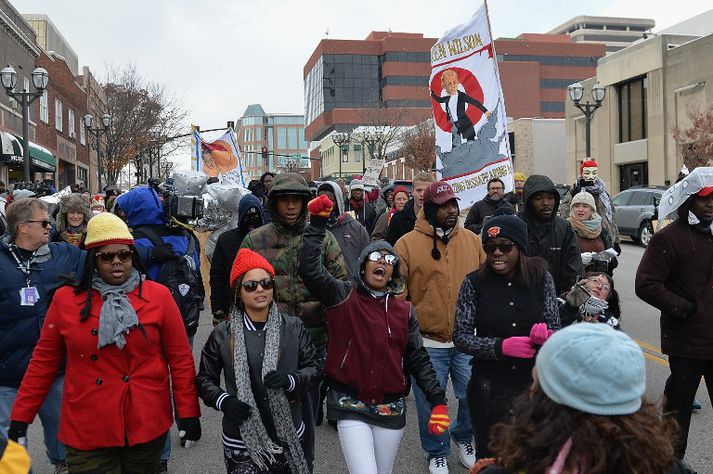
(235, 410)
(163, 252)
(218, 317)
(189, 429)
(276, 379)
(17, 430)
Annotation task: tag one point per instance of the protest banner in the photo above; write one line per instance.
(469, 111)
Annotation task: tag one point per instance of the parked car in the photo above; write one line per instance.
(635, 207)
(562, 189)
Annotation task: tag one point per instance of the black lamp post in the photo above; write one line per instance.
(40, 79)
(106, 125)
(341, 139)
(372, 139)
(576, 92)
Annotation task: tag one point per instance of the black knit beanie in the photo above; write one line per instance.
(507, 226)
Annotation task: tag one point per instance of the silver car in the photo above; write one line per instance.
(634, 209)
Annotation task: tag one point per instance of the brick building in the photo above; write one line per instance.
(59, 125)
(97, 106)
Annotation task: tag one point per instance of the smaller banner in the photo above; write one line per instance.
(371, 176)
(218, 158)
(469, 112)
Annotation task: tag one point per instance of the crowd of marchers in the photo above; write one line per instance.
(330, 304)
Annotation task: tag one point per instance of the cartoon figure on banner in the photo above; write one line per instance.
(218, 158)
(460, 117)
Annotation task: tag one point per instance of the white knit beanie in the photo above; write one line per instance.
(583, 197)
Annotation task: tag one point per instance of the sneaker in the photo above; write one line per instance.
(697, 405)
(162, 466)
(466, 453)
(438, 465)
(60, 468)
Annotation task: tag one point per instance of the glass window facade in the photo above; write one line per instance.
(631, 105)
(551, 106)
(584, 61)
(556, 83)
(281, 137)
(292, 138)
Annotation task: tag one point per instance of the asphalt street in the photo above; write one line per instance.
(639, 320)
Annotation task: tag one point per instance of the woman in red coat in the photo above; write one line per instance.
(119, 336)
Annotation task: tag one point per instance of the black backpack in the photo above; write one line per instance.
(182, 278)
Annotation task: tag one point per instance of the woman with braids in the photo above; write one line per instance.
(584, 412)
(505, 311)
(268, 362)
(119, 336)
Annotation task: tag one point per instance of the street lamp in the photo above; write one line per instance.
(576, 93)
(341, 139)
(106, 125)
(372, 139)
(40, 79)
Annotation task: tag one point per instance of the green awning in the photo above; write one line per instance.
(41, 157)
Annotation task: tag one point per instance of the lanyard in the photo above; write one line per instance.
(23, 268)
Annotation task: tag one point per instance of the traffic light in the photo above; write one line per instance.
(264, 152)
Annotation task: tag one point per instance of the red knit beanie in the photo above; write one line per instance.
(247, 260)
(587, 164)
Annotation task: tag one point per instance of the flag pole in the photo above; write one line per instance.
(497, 74)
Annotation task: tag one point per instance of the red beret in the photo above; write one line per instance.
(247, 260)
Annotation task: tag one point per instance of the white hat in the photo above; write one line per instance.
(583, 197)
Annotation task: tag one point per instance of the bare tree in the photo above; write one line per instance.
(382, 127)
(696, 142)
(418, 146)
(137, 106)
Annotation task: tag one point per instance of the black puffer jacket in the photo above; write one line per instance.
(297, 358)
(401, 223)
(553, 240)
(481, 210)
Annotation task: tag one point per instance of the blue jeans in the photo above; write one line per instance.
(456, 364)
(49, 416)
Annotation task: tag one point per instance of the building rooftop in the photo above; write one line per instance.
(699, 25)
(601, 22)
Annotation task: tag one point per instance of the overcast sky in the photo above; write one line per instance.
(221, 56)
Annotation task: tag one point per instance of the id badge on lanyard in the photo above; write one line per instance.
(29, 294)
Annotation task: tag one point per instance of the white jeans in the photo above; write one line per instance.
(368, 449)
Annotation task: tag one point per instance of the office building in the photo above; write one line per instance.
(281, 135)
(49, 38)
(616, 33)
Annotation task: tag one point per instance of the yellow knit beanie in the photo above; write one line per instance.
(107, 228)
(519, 176)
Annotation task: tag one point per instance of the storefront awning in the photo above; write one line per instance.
(40, 157)
(10, 146)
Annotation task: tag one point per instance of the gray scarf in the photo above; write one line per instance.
(117, 315)
(261, 448)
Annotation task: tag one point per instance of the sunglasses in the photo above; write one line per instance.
(108, 257)
(266, 283)
(504, 247)
(376, 256)
(43, 223)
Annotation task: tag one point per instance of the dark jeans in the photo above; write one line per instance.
(138, 459)
(311, 399)
(490, 400)
(680, 391)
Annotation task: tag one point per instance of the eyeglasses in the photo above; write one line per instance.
(108, 257)
(504, 247)
(44, 223)
(376, 256)
(266, 283)
(598, 284)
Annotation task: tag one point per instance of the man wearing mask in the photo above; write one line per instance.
(675, 277)
(31, 269)
(250, 217)
(404, 220)
(487, 206)
(351, 236)
(435, 258)
(364, 211)
(550, 236)
(279, 242)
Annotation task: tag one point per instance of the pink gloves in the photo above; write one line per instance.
(518, 346)
(539, 333)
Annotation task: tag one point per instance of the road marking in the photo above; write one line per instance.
(652, 353)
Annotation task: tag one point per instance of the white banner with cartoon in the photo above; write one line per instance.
(469, 111)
